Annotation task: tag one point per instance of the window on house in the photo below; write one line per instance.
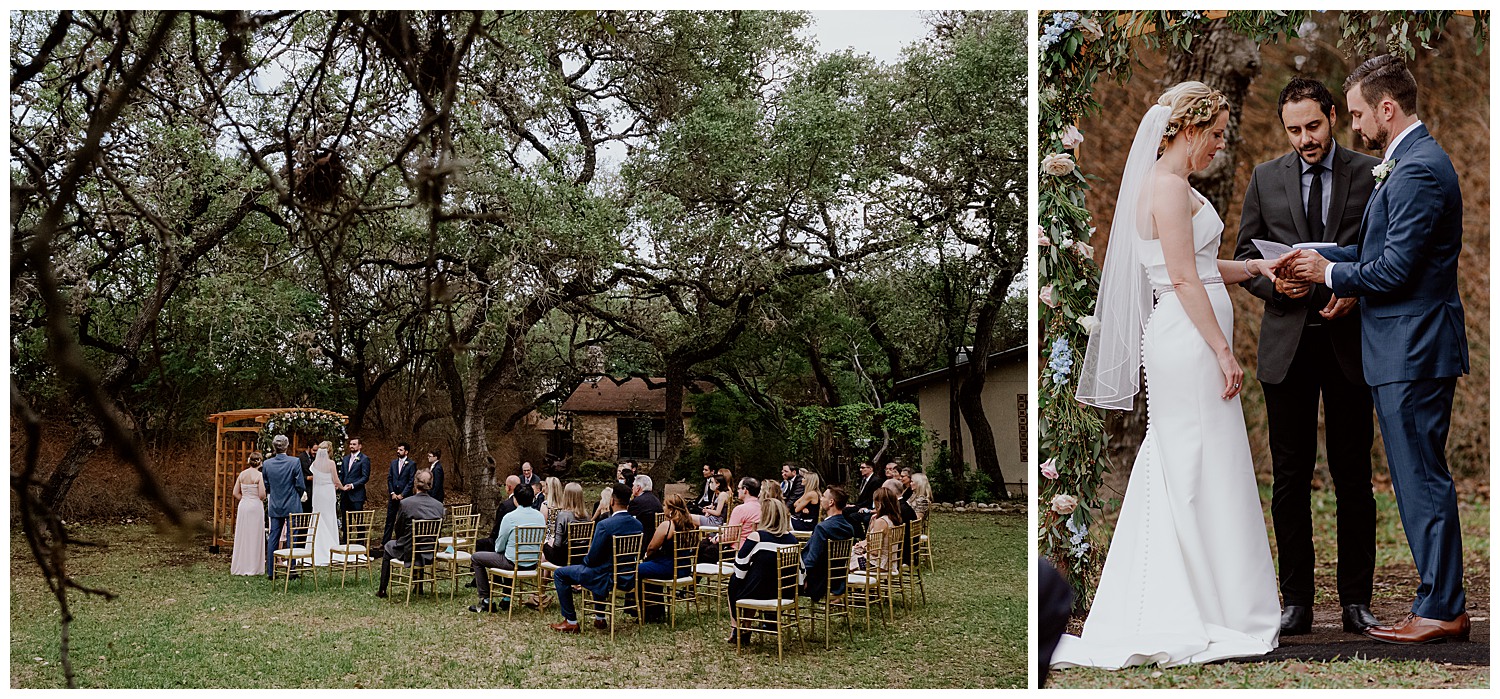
(641, 438)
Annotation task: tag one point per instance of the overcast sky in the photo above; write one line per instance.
(880, 34)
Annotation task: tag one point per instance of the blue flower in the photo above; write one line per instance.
(1062, 360)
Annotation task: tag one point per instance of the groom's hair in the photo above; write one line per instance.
(1301, 88)
(1384, 77)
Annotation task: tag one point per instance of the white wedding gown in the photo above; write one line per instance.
(325, 503)
(1188, 577)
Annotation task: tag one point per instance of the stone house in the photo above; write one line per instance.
(605, 420)
(1005, 405)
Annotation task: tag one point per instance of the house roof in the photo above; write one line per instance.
(631, 396)
(920, 380)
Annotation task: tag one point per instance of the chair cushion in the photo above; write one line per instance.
(293, 553)
(456, 555)
(349, 548)
(549, 565)
(449, 541)
(515, 573)
(861, 580)
(680, 581)
(710, 569)
(765, 604)
(923, 537)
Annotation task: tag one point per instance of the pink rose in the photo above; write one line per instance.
(1042, 240)
(1045, 294)
(1064, 504)
(1058, 164)
(1049, 469)
(1071, 137)
(1083, 249)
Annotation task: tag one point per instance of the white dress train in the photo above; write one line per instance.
(1188, 577)
(325, 503)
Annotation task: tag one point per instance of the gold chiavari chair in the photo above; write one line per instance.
(624, 561)
(773, 616)
(511, 583)
(829, 607)
(874, 586)
(682, 586)
(303, 527)
(716, 573)
(458, 550)
(422, 568)
(354, 553)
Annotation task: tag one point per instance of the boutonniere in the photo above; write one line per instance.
(1382, 171)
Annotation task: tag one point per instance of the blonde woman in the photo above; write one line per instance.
(805, 510)
(552, 490)
(602, 510)
(569, 510)
(325, 488)
(921, 494)
(755, 565)
(1192, 492)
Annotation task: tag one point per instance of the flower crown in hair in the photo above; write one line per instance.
(1197, 114)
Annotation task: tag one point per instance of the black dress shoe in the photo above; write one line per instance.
(1358, 618)
(1296, 620)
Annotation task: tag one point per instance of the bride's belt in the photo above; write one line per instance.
(1160, 291)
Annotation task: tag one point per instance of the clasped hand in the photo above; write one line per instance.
(1295, 274)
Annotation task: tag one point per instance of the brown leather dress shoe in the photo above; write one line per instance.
(1414, 629)
(564, 627)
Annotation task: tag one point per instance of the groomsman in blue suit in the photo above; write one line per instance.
(283, 476)
(354, 472)
(1405, 273)
(597, 572)
(398, 480)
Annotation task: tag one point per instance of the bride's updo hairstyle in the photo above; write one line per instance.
(1194, 107)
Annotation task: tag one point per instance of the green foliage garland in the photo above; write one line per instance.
(316, 423)
(1076, 49)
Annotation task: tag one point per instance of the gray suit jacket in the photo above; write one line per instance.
(1272, 210)
(419, 506)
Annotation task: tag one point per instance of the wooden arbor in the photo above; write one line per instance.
(238, 435)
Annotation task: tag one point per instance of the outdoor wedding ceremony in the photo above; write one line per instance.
(1243, 214)
(543, 349)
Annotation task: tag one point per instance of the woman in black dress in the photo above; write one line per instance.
(755, 564)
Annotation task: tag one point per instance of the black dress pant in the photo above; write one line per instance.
(1292, 415)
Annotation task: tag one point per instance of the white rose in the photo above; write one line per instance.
(1071, 137)
(1058, 164)
(1090, 29)
(1090, 324)
(1064, 504)
(1083, 249)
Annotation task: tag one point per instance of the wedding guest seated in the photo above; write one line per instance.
(793, 485)
(538, 495)
(755, 574)
(597, 570)
(571, 509)
(887, 514)
(604, 508)
(907, 513)
(506, 505)
(921, 498)
(805, 509)
(643, 503)
(834, 527)
(419, 505)
(503, 556)
(552, 490)
(657, 564)
(713, 515)
(771, 490)
(747, 513)
(706, 495)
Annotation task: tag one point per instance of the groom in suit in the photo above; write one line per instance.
(1309, 345)
(1405, 272)
(354, 472)
(283, 476)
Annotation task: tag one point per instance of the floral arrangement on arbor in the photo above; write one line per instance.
(1076, 49)
(322, 424)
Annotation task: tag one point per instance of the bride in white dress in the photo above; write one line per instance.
(1188, 577)
(325, 487)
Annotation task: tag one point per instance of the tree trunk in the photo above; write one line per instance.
(955, 428)
(1226, 61)
(674, 434)
(971, 403)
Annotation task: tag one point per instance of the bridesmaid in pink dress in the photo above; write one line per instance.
(249, 521)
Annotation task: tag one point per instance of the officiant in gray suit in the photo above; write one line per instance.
(1310, 345)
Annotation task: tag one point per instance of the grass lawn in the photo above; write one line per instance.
(182, 621)
(1395, 584)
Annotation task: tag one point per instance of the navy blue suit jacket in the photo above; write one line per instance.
(1405, 268)
(355, 474)
(597, 564)
(815, 556)
(284, 488)
(401, 484)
